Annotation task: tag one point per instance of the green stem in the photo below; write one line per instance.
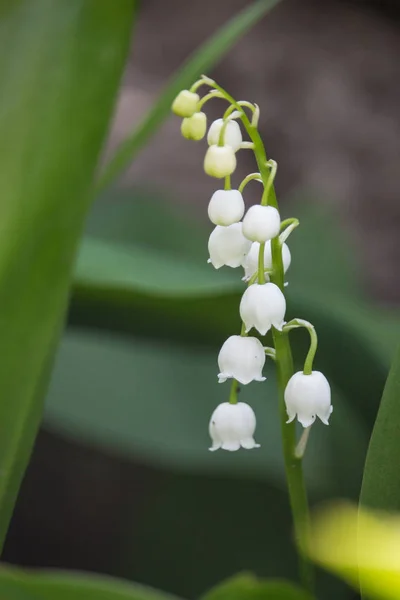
(284, 363)
(293, 464)
(261, 270)
(296, 323)
(233, 392)
(246, 180)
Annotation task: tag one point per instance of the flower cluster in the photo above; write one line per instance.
(254, 240)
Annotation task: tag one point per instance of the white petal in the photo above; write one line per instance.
(228, 246)
(249, 443)
(231, 446)
(261, 306)
(261, 223)
(308, 396)
(226, 207)
(242, 358)
(233, 134)
(250, 263)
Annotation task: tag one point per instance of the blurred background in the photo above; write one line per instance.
(120, 480)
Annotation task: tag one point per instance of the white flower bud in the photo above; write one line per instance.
(219, 161)
(226, 207)
(241, 358)
(261, 306)
(232, 136)
(227, 246)
(251, 261)
(232, 426)
(308, 397)
(261, 223)
(194, 127)
(185, 104)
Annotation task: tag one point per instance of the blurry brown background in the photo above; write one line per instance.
(326, 75)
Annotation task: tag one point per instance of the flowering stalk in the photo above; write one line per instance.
(283, 361)
(258, 244)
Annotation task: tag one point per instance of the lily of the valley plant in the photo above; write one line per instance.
(255, 240)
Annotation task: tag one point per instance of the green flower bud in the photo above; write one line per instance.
(220, 161)
(185, 104)
(195, 127)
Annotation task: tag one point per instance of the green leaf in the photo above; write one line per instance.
(17, 584)
(248, 587)
(200, 62)
(381, 481)
(60, 66)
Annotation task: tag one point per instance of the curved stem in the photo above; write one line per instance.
(295, 324)
(246, 180)
(284, 363)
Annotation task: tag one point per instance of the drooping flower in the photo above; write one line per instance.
(250, 263)
(261, 223)
(232, 426)
(263, 306)
(219, 161)
(185, 104)
(227, 246)
(308, 397)
(241, 358)
(232, 135)
(226, 207)
(194, 127)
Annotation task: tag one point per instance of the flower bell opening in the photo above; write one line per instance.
(241, 358)
(232, 426)
(308, 397)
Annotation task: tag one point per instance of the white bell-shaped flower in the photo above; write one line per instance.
(308, 397)
(261, 223)
(219, 161)
(226, 207)
(232, 426)
(227, 246)
(185, 103)
(250, 263)
(232, 136)
(194, 127)
(241, 358)
(261, 306)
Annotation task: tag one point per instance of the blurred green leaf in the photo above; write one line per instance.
(154, 400)
(381, 481)
(248, 587)
(60, 66)
(16, 584)
(202, 60)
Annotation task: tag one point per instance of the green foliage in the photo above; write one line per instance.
(16, 584)
(381, 482)
(247, 587)
(200, 62)
(60, 66)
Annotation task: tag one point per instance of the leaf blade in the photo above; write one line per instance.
(63, 585)
(48, 58)
(381, 483)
